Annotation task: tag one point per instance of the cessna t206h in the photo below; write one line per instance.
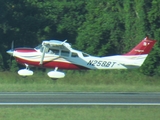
(60, 55)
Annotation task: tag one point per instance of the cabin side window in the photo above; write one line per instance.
(54, 51)
(65, 53)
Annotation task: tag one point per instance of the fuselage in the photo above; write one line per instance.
(72, 60)
(57, 54)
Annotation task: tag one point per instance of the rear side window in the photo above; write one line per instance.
(74, 55)
(85, 55)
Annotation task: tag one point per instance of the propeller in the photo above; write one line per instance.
(10, 52)
(12, 45)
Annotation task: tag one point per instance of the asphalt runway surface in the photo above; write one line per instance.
(79, 98)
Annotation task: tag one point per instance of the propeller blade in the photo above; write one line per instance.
(12, 45)
(10, 52)
(43, 54)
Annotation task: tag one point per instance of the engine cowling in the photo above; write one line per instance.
(25, 72)
(56, 74)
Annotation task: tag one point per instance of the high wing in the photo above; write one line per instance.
(57, 44)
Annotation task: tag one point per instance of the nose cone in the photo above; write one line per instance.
(10, 52)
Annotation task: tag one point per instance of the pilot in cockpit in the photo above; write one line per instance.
(53, 51)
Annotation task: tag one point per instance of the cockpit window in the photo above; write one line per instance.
(38, 47)
(46, 49)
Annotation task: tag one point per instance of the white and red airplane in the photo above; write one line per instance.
(59, 55)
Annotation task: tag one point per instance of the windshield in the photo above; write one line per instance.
(38, 47)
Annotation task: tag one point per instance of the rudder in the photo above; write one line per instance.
(144, 47)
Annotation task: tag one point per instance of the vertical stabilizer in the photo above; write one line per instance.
(144, 47)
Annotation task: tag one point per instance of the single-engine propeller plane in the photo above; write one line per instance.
(60, 55)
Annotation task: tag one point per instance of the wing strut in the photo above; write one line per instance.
(43, 54)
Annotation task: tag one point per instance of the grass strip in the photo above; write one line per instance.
(83, 81)
(79, 113)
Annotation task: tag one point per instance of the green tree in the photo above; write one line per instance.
(152, 64)
(101, 33)
(135, 23)
(96, 27)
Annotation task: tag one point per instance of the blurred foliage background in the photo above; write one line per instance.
(101, 28)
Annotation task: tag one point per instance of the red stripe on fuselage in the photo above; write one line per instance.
(25, 50)
(51, 64)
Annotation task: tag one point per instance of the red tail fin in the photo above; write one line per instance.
(144, 47)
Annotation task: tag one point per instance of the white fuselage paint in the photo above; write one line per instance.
(90, 62)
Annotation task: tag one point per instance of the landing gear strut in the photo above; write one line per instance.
(25, 72)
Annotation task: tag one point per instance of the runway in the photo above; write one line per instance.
(79, 98)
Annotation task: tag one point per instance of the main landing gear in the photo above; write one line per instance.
(56, 74)
(25, 72)
(52, 74)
